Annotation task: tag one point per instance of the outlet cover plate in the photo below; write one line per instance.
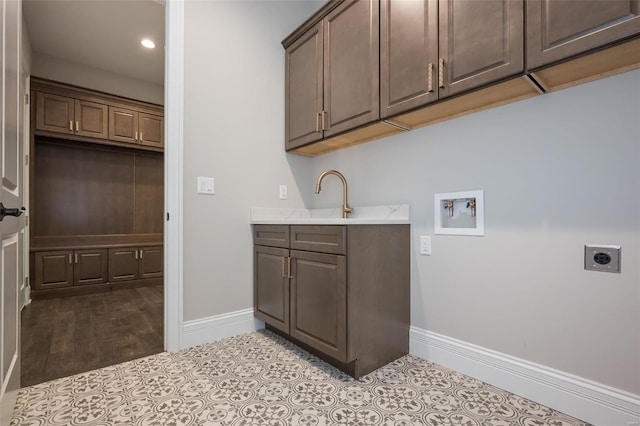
(607, 256)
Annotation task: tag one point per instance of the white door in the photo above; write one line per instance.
(11, 196)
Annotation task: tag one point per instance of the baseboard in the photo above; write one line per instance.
(578, 397)
(198, 332)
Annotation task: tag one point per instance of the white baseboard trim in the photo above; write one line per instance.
(578, 397)
(205, 330)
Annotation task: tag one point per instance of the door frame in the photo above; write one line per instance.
(173, 158)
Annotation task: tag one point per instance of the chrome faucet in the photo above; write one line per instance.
(346, 210)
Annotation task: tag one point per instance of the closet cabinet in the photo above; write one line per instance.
(133, 263)
(433, 49)
(560, 29)
(339, 291)
(126, 125)
(332, 79)
(61, 114)
(66, 268)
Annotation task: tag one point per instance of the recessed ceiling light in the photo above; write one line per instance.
(147, 43)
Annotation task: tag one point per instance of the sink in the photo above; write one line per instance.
(363, 215)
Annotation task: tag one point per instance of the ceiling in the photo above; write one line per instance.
(103, 34)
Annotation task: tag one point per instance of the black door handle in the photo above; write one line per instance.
(10, 212)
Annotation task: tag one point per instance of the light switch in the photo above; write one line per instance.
(425, 245)
(283, 192)
(205, 185)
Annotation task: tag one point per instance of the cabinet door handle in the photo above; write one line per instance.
(140, 253)
(76, 257)
(69, 258)
(430, 77)
(140, 137)
(71, 126)
(136, 254)
(283, 275)
(318, 122)
(136, 135)
(441, 73)
(77, 126)
(324, 113)
(289, 268)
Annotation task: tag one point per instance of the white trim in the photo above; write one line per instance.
(584, 399)
(205, 330)
(174, 125)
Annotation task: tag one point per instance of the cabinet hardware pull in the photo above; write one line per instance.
(69, 258)
(430, 77)
(323, 120)
(140, 137)
(77, 126)
(71, 126)
(289, 268)
(317, 122)
(136, 135)
(76, 257)
(283, 275)
(441, 73)
(136, 254)
(140, 253)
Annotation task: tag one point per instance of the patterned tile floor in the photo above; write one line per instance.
(261, 379)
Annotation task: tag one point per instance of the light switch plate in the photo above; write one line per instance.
(205, 185)
(602, 257)
(283, 192)
(425, 245)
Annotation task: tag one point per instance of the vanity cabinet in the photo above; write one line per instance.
(433, 49)
(127, 125)
(560, 29)
(67, 268)
(340, 291)
(332, 79)
(69, 116)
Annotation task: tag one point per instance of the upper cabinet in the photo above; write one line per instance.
(71, 116)
(559, 29)
(332, 74)
(126, 125)
(82, 115)
(433, 49)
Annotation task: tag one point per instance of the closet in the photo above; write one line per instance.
(96, 191)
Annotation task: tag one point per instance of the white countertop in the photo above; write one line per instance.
(362, 215)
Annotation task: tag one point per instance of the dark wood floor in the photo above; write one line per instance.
(71, 335)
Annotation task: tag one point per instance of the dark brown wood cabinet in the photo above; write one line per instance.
(433, 49)
(340, 291)
(70, 116)
(133, 263)
(126, 125)
(332, 79)
(67, 268)
(560, 29)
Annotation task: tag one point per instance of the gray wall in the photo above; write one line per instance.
(558, 171)
(49, 67)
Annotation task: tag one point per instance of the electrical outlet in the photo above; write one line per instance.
(283, 192)
(425, 245)
(604, 258)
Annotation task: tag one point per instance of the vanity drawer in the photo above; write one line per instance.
(319, 238)
(271, 235)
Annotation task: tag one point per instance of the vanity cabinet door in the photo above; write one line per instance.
(271, 286)
(319, 302)
(559, 29)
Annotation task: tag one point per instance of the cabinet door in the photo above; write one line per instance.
(91, 119)
(303, 89)
(408, 55)
(53, 269)
(271, 286)
(90, 267)
(150, 262)
(123, 264)
(319, 302)
(480, 42)
(351, 66)
(54, 113)
(559, 29)
(123, 125)
(151, 130)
